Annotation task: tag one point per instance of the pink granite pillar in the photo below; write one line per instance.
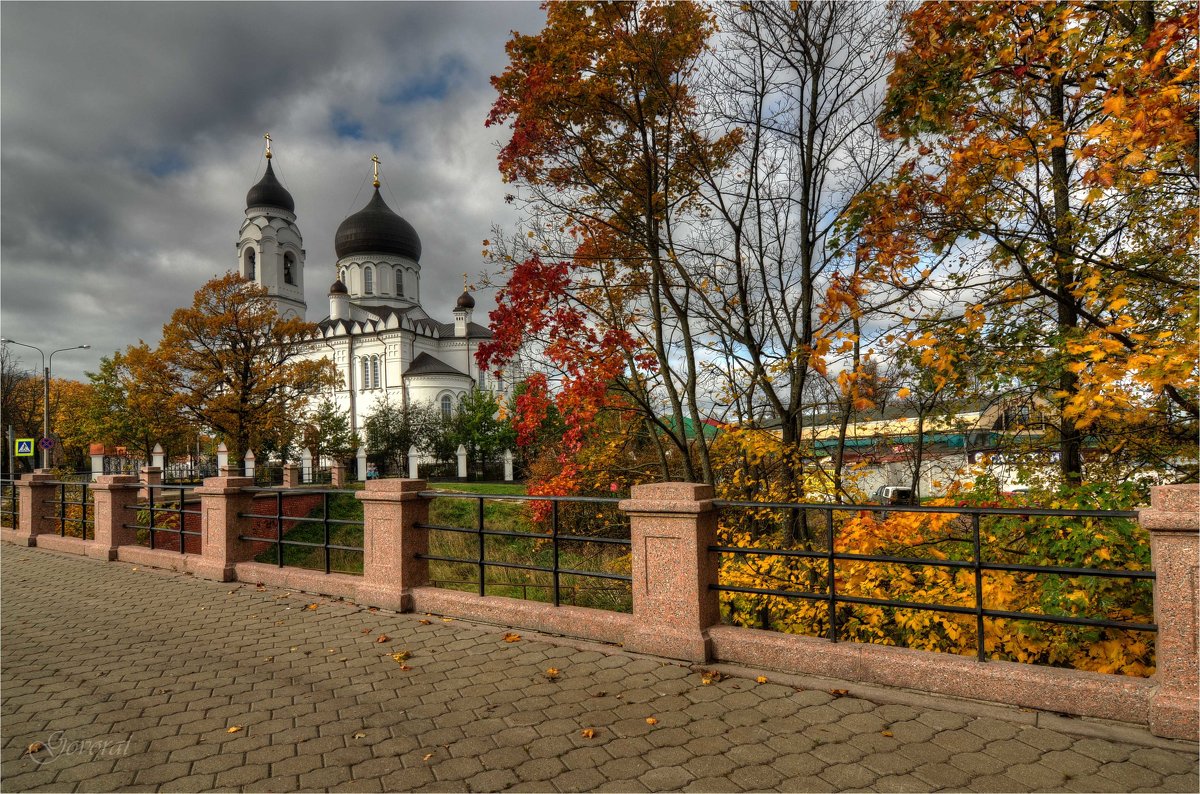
(113, 496)
(150, 475)
(391, 542)
(672, 525)
(291, 475)
(1174, 523)
(34, 516)
(337, 475)
(221, 501)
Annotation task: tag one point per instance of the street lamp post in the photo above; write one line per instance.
(47, 363)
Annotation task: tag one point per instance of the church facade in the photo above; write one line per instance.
(378, 336)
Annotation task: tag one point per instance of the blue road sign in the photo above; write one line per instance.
(45, 443)
(24, 448)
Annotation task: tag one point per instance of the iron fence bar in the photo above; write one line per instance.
(980, 651)
(522, 567)
(305, 543)
(534, 535)
(332, 521)
(150, 505)
(62, 510)
(832, 583)
(279, 528)
(1033, 617)
(180, 518)
(482, 583)
(521, 497)
(988, 511)
(554, 547)
(325, 526)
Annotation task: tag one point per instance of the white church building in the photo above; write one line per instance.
(377, 334)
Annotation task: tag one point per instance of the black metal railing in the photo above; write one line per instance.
(828, 559)
(268, 475)
(320, 475)
(187, 474)
(9, 505)
(321, 530)
(160, 514)
(73, 511)
(555, 539)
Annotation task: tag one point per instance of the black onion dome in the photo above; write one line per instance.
(269, 193)
(338, 288)
(375, 229)
(465, 301)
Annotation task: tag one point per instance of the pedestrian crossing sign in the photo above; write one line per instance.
(24, 448)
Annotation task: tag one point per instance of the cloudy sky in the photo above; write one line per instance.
(130, 133)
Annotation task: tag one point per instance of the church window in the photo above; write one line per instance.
(366, 373)
(250, 263)
(368, 281)
(288, 266)
(400, 283)
(375, 372)
(447, 406)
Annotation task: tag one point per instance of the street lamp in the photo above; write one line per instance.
(47, 363)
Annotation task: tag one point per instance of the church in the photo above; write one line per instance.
(379, 337)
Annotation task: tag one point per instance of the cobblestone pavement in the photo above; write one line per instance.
(135, 679)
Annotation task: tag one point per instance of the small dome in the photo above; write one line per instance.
(337, 288)
(269, 193)
(465, 301)
(375, 229)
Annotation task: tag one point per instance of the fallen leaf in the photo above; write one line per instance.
(425, 622)
(510, 637)
(233, 729)
(37, 747)
(762, 679)
(312, 606)
(372, 609)
(886, 733)
(269, 659)
(588, 733)
(837, 693)
(260, 586)
(366, 631)
(427, 756)
(294, 648)
(401, 657)
(651, 721)
(383, 638)
(331, 650)
(360, 735)
(234, 590)
(447, 620)
(135, 569)
(405, 667)
(552, 672)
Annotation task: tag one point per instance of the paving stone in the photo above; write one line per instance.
(177, 660)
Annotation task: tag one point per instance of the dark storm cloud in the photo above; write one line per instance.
(131, 132)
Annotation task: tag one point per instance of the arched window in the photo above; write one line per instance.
(400, 282)
(447, 406)
(366, 373)
(342, 275)
(289, 267)
(368, 281)
(250, 264)
(375, 372)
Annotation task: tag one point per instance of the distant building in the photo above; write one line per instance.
(377, 334)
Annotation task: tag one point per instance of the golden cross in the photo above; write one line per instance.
(375, 161)
(268, 137)
(464, 282)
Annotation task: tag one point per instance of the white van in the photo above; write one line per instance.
(893, 495)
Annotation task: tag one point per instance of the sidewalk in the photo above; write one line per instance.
(137, 680)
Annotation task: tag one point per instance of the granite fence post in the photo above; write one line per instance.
(1173, 520)
(291, 475)
(337, 474)
(392, 508)
(221, 501)
(33, 515)
(671, 527)
(113, 497)
(149, 476)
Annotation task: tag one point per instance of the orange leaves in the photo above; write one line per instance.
(511, 637)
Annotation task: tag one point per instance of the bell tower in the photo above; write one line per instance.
(270, 249)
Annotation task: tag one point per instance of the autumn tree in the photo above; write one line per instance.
(128, 408)
(327, 431)
(1052, 148)
(599, 103)
(20, 402)
(233, 364)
